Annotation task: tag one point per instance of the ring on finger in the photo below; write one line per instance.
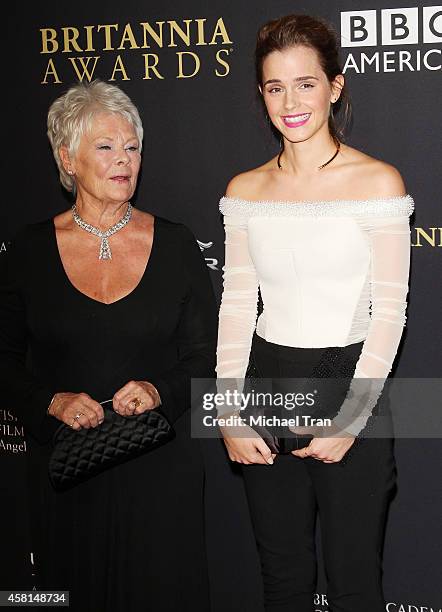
(136, 403)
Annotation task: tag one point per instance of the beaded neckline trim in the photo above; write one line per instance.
(391, 207)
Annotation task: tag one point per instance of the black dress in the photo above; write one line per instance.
(132, 538)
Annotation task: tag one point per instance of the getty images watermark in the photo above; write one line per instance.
(377, 408)
(240, 403)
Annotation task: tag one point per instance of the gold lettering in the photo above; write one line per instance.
(185, 36)
(50, 70)
(128, 36)
(70, 36)
(148, 67)
(431, 240)
(201, 40)
(220, 30)
(84, 66)
(107, 35)
(74, 40)
(48, 36)
(89, 39)
(222, 62)
(181, 74)
(148, 30)
(119, 67)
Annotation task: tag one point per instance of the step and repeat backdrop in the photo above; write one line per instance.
(188, 66)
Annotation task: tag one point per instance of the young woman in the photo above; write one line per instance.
(323, 231)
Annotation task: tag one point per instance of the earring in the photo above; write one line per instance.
(70, 172)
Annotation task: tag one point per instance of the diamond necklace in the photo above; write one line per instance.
(105, 250)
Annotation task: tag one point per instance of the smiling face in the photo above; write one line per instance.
(107, 161)
(297, 92)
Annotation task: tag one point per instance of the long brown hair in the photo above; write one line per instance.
(316, 34)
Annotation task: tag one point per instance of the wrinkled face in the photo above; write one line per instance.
(297, 92)
(107, 161)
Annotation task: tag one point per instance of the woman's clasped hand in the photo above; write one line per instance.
(81, 411)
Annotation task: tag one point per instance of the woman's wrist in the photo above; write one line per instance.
(51, 403)
(155, 394)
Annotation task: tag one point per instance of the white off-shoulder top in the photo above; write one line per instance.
(330, 273)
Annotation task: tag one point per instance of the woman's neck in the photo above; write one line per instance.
(305, 158)
(98, 213)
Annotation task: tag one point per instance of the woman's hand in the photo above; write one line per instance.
(136, 397)
(245, 445)
(76, 410)
(330, 449)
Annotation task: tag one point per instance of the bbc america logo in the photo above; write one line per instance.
(416, 29)
(395, 26)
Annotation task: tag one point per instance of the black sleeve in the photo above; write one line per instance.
(22, 392)
(196, 334)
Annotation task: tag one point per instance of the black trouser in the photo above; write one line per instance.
(351, 499)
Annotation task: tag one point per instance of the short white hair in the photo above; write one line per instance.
(70, 117)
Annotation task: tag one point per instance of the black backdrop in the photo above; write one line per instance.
(200, 131)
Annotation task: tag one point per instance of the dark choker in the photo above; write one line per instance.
(319, 167)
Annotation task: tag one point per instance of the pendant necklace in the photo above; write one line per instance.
(105, 250)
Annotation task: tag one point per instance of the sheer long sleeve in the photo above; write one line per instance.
(239, 304)
(389, 239)
(238, 311)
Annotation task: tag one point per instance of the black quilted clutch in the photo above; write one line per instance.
(80, 455)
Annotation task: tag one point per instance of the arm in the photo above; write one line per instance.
(196, 335)
(238, 311)
(237, 321)
(390, 252)
(27, 396)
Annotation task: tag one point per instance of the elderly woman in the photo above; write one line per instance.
(110, 303)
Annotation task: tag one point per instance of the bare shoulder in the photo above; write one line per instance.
(63, 220)
(385, 179)
(373, 177)
(248, 185)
